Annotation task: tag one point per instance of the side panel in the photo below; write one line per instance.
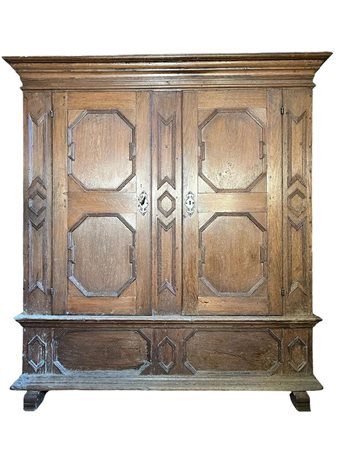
(297, 123)
(37, 202)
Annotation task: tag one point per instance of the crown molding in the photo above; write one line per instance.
(167, 71)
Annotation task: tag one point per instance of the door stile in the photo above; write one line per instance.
(189, 198)
(275, 200)
(143, 188)
(60, 202)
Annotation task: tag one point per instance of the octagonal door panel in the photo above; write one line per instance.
(232, 202)
(102, 224)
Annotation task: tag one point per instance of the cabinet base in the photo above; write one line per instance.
(38, 385)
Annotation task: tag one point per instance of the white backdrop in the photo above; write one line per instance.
(167, 420)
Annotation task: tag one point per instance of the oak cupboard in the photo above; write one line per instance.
(167, 223)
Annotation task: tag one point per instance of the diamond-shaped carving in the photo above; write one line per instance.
(297, 202)
(166, 354)
(36, 354)
(37, 202)
(297, 354)
(166, 204)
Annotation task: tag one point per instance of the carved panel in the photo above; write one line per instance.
(297, 220)
(232, 154)
(37, 202)
(232, 249)
(101, 147)
(101, 350)
(166, 136)
(166, 260)
(166, 350)
(234, 351)
(36, 354)
(298, 354)
(101, 255)
(296, 148)
(166, 217)
(297, 248)
(168, 353)
(166, 204)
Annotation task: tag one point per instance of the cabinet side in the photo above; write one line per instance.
(37, 202)
(297, 236)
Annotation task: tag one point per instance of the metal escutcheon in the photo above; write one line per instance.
(143, 203)
(190, 203)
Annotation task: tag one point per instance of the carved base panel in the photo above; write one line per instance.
(167, 352)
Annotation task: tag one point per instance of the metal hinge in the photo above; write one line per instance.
(282, 110)
(282, 291)
(51, 113)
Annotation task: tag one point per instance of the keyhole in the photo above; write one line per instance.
(143, 201)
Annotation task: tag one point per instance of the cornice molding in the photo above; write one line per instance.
(167, 71)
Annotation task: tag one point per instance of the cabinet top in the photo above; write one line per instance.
(168, 71)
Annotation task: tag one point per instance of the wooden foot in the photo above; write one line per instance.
(300, 400)
(33, 399)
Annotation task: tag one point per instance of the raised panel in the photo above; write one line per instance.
(37, 195)
(166, 246)
(166, 134)
(296, 148)
(100, 350)
(234, 351)
(231, 150)
(101, 255)
(102, 149)
(232, 260)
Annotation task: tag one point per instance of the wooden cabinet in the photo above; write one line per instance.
(168, 223)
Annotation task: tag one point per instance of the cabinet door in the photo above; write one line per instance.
(101, 184)
(232, 218)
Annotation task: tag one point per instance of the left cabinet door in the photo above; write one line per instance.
(101, 203)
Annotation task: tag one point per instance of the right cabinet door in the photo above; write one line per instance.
(232, 202)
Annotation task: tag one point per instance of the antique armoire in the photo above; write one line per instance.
(167, 223)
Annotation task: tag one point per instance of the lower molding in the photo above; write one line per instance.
(99, 380)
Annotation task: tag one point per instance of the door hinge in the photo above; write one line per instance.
(51, 291)
(51, 113)
(282, 291)
(282, 110)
